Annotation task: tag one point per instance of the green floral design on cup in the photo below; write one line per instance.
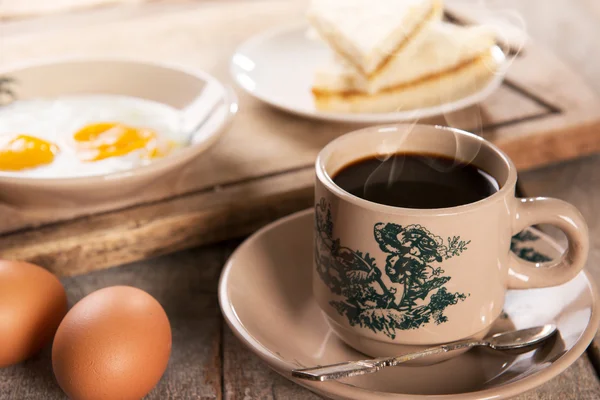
(412, 254)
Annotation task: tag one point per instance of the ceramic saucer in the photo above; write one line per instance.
(265, 295)
(277, 67)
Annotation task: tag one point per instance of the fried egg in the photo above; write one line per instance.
(19, 152)
(85, 135)
(113, 139)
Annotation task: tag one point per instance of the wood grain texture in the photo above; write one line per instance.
(185, 284)
(262, 141)
(207, 361)
(267, 154)
(103, 241)
(571, 128)
(569, 28)
(246, 377)
(185, 281)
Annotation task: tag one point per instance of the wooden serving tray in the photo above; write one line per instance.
(263, 167)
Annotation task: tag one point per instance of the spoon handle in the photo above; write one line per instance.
(362, 367)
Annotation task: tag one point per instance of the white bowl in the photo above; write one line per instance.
(183, 89)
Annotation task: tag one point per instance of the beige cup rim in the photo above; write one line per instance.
(507, 186)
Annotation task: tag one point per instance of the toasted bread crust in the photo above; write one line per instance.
(453, 84)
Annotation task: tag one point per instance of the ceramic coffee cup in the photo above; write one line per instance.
(393, 279)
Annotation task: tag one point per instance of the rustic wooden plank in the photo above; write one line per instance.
(564, 27)
(30, 380)
(285, 143)
(594, 353)
(185, 284)
(572, 128)
(246, 377)
(103, 241)
(576, 133)
(233, 159)
(256, 144)
(576, 383)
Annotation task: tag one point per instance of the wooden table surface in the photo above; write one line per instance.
(208, 362)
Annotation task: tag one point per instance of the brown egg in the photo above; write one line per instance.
(113, 344)
(32, 304)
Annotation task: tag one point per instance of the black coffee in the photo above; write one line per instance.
(416, 181)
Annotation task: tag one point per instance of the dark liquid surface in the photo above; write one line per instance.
(416, 181)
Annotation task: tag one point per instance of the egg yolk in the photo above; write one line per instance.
(112, 139)
(24, 151)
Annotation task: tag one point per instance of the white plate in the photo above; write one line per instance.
(277, 67)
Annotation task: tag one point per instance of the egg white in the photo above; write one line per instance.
(57, 119)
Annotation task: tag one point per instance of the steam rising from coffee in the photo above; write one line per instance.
(509, 29)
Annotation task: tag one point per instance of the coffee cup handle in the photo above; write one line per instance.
(542, 210)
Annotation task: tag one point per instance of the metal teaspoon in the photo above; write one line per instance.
(520, 339)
